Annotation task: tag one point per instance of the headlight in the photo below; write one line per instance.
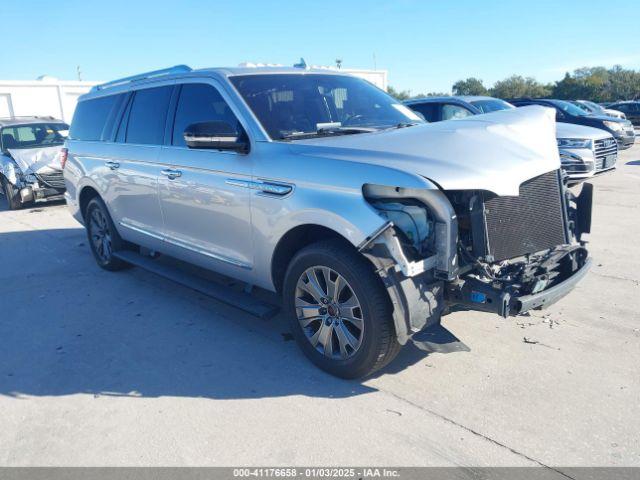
(574, 143)
(615, 126)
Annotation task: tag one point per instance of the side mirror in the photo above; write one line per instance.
(216, 136)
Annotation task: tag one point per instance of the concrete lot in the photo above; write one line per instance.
(126, 368)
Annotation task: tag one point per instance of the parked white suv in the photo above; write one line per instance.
(371, 223)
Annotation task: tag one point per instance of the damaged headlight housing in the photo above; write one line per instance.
(575, 143)
(413, 221)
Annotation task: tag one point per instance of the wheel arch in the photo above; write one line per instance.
(295, 240)
(87, 193)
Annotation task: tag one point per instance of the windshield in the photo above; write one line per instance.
(34, 135)
(302, 105)
(491, 105)
(570, 108)
(593, 106)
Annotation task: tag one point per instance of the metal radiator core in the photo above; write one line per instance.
(528, 223)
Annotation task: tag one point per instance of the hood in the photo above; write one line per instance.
(37, 160)
(572, 130)
(604, 118)
(496, 151)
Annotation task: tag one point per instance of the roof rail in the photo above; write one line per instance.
(143, 76)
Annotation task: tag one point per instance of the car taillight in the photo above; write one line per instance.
(64, 153)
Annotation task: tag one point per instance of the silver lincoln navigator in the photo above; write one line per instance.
(370, 222)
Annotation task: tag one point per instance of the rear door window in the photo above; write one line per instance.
(90, 117)
(451, 111)
(200, 102)
(147, 116)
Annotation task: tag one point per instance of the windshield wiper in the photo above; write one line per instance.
(327, 132)
(405, 125)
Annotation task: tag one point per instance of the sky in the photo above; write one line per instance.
(425, 45)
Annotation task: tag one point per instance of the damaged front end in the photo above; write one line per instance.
(36, 174)
(474, 250)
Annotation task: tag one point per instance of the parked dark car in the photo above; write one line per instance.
(630, 109)
(436, 109)
(566, 112)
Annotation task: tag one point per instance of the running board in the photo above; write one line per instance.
(222, 293)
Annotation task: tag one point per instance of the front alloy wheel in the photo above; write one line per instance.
(329, 312)
(339, 310)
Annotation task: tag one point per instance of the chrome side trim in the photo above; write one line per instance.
(268, 188)
(187, 246)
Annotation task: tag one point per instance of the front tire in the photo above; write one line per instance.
(339, 311)
(12, 195)
(104, 239)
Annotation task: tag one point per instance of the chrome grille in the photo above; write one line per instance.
(606, 151)
(52, 180)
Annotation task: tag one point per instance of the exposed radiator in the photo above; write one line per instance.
(529, 223)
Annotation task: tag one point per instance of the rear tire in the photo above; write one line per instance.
(103, 237)
(345, 326)
(12, 195)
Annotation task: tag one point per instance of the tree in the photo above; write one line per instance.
(399, 94)
(517, 86)
(470, 86)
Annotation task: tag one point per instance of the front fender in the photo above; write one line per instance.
(9, 169)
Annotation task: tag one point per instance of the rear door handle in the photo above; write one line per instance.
(112, 165)
(170, 173)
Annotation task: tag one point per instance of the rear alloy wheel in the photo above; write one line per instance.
(339, 311)
(104, 239)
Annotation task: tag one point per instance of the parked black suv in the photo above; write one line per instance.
(630, 109)
(567, 112)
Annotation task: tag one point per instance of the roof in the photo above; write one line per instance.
(183, 71)
(7, 122)
(232, 71)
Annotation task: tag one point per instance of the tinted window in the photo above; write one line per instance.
(428, 110)
(147, 116)
(200, 103)
(91, 117)
(454, 112)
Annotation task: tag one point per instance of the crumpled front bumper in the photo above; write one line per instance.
(471, 293)
(551, 295)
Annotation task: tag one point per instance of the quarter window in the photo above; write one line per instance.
(148, 115)
(428, 110)
(90, 117)
(200, 102)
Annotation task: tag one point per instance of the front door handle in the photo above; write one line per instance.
(170, 173)
(112, 165)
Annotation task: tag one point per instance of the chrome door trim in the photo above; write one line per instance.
(140, 230)
(187, 246)
(193, 248)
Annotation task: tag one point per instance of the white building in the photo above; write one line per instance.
(46, 96)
